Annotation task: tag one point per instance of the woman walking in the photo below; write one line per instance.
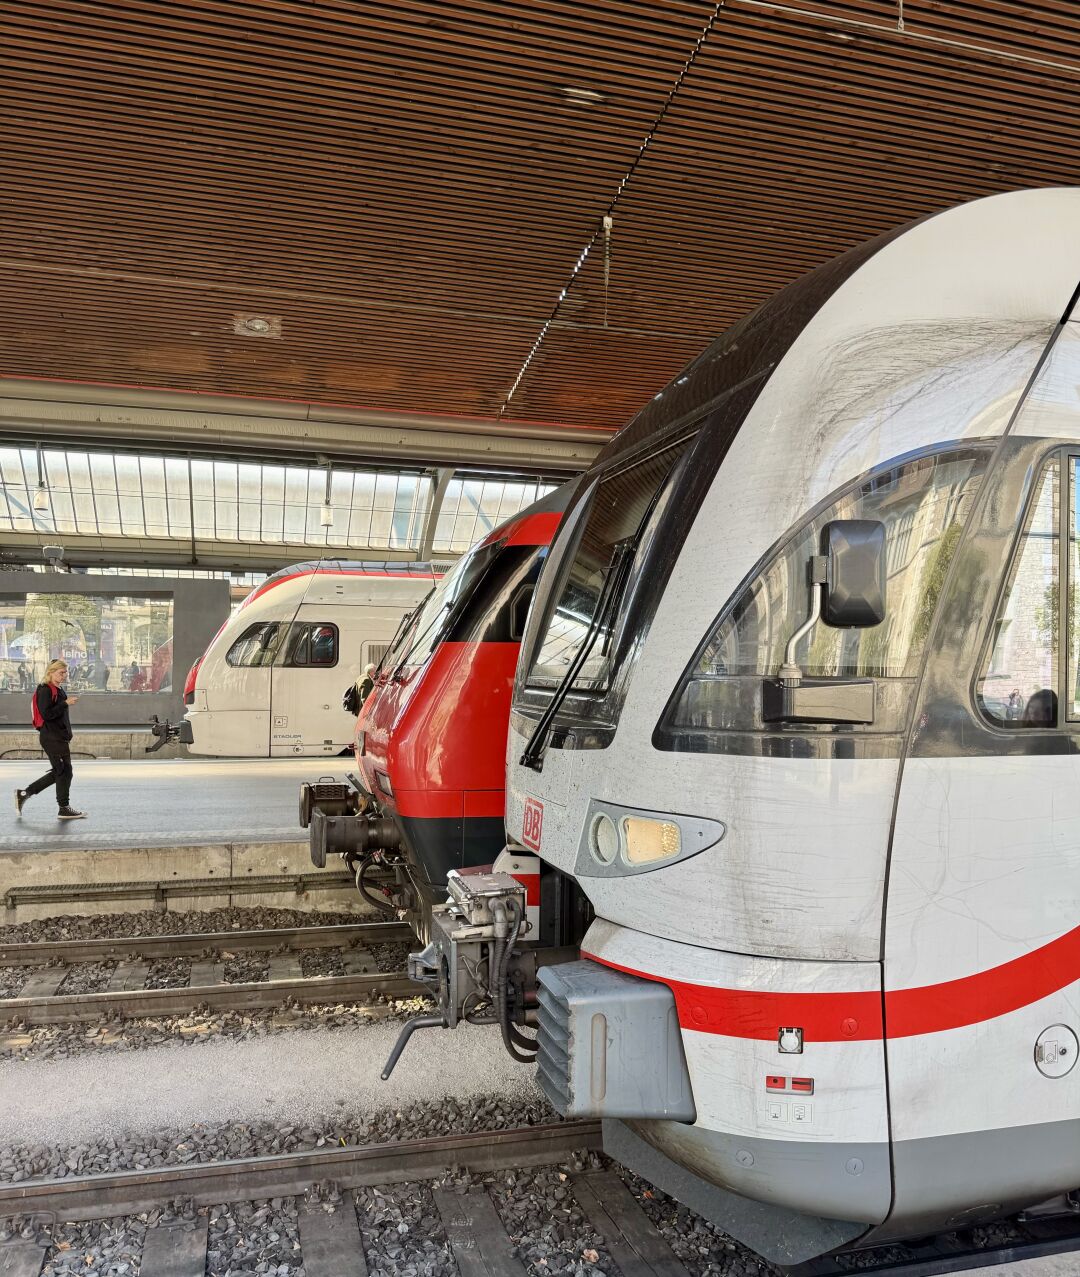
(54, 731)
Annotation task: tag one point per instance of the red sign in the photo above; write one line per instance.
(532, 823)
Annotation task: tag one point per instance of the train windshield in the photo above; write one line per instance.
(433, 615)
(587, 603)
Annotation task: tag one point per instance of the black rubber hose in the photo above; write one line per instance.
(516, 1043)
(520, 1039)
(498, 990)
(384, 905)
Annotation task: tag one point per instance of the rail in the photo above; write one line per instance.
(41, 999)
(287, 1174)
(45, 952)
(160, 891)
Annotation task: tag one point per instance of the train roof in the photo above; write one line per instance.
(990, 259)
(374, 568)
(357, 567)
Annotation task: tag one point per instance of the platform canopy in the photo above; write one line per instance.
(467, 231)
(145, 509)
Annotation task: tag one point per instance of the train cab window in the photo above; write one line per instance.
(310, 644)
(1016, 687)
(257, 646)
(519, 612)
(434, 615)
(618, 510)
(923, 504)
(1073, 514)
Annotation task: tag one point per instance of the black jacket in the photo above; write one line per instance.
(54, 713)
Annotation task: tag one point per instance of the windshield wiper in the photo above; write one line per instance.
(533, 755)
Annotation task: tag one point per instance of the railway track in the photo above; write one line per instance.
(41, 1000)
(332, 1243)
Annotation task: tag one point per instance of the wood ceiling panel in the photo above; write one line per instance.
(410, 188)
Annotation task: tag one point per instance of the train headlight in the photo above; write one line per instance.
(647, 840)
(383, 782)
(604, 839)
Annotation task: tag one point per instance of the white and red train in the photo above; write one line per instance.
(797, 712)
(430, 740)
(270, 683)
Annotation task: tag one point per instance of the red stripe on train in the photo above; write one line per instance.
(845, 1017)
(534, 529)
(749, 1013)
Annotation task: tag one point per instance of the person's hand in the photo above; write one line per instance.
(72, 700)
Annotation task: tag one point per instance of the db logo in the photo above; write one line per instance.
(532, 824)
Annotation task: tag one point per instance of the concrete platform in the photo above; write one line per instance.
(154, 821)
(1045, 1266)
(91, 742)
(162, 802)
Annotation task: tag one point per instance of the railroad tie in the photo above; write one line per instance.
(285, 966)
(206, 973)
(44, 984)
(359, 962)
(175, 1250)
(21, 1259)
(128, 976)
(476, 1234)
(630, 1238)
(330, 1243)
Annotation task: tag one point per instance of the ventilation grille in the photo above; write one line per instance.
(553, 1054)
(376, 651)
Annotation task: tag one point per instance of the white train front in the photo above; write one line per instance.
(798, 711)
(271, 682)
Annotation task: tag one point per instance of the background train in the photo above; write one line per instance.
(271, 682)
(797, 712)
(431, 740)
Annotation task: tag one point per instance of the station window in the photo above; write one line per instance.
(257, 646)
(310, 644)
(111, 643)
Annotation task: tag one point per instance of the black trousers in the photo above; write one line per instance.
(59, 755)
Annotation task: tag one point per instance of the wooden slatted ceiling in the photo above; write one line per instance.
(793, 138)
(410, 188)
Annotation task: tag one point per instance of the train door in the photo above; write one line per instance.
(305, 700)
(238, 704)
(982, 1002)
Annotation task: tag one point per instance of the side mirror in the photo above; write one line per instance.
(854, 594)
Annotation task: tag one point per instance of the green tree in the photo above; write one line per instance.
(64, 621)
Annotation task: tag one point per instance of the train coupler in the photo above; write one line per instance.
(164, 733)
(473, 964)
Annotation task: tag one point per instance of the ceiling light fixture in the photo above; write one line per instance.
(245, 325)
(41, 496)
(582, 97)
(326, 514)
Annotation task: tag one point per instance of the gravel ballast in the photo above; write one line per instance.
(152, 922)
(87, 977)
(12, 980)
(201, 1141)
(299, 1076)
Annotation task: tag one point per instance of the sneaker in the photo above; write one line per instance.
(20, 798)
(69, 813)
